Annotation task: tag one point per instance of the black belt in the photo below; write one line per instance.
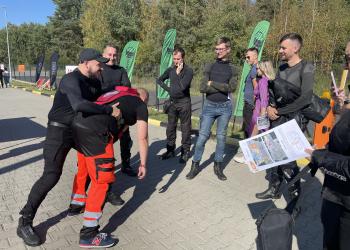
(181, 100)
(57, 124)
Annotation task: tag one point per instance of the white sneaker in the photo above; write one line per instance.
(239, 157)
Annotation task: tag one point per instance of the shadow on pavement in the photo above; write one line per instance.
(20, 164)
(43, 227)
(20, 129)
(22, 150)
(144, 188)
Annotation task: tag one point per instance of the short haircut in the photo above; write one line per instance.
(112, 46)
(224, 40)
(294, 37)
(253, 49)
(178, 49)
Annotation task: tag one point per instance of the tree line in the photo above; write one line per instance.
(324, 25)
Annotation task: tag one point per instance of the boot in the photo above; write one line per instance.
(218, 171)
(126, 168)
(26, 231)
(271, 192)
(194, 170)
(185, 155)
(170, 152)
(114, 199)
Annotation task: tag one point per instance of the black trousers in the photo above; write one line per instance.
(179, 109)
(247, 117)
(125, 147)
(336, 226)
(287, 171)
(58, 142)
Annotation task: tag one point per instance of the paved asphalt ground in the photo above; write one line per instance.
(164, 211)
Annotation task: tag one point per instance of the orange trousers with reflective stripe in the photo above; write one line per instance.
(100, 169)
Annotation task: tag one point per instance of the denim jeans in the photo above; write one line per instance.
(213, 111)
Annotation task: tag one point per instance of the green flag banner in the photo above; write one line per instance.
(257, 40)
(166, 60)
(127, 60)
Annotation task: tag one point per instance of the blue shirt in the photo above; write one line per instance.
(249, 88)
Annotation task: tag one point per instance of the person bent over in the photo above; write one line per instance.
(94, 136)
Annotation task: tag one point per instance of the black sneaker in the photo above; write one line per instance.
(27, 233)
(101, 240)
(75, 209)
(114, 199)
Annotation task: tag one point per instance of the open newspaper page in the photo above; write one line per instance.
(277, 146)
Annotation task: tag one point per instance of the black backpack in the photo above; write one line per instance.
(275, 225)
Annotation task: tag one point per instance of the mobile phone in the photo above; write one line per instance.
(334, 84)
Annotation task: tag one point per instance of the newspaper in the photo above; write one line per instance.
(277, 146)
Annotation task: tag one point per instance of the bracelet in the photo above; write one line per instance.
(142, 166)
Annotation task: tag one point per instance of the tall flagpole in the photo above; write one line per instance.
(8, 43)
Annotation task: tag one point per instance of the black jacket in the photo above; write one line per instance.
(179, 84)
(335, 161)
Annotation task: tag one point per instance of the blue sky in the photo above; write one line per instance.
(25, 11)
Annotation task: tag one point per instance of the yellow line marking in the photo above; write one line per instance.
(154, 122)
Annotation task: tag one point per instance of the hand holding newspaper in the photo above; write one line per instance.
(277, 146)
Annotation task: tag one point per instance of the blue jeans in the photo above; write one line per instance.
(213, 111)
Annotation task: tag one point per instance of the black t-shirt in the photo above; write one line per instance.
(76, 93)
(112, 76)
(91, 133)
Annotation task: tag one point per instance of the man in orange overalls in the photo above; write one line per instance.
(94, 136)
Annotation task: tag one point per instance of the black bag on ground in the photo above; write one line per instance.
(275, 225)
(166, 106)
(275, 230)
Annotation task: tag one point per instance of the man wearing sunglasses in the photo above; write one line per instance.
(251, 58)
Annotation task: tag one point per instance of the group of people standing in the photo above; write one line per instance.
(95, 105)
(263, 102)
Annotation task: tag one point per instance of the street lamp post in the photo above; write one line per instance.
(8, 43)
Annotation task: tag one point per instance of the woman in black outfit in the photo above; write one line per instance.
(335, 161)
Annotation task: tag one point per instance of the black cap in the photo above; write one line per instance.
(89, 54)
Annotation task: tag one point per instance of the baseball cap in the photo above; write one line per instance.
(89, 54)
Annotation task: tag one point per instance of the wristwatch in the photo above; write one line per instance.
(346, 101)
